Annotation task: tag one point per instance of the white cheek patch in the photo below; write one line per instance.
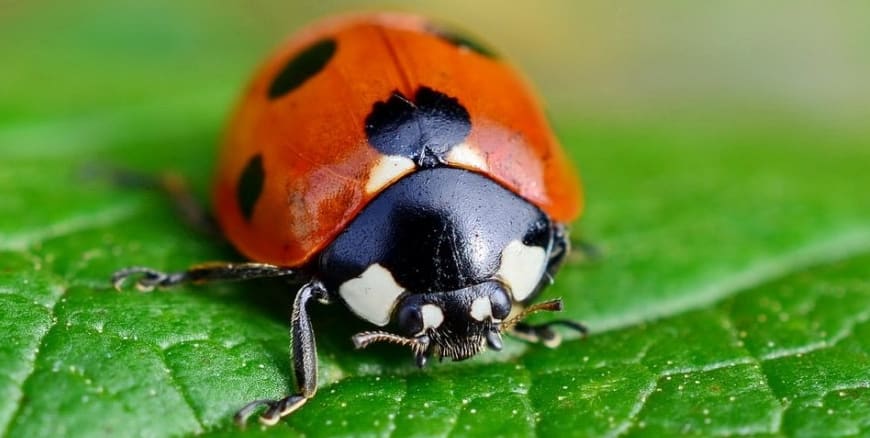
(432, 316)
(467, 156)
(388, 169)
(522, 268)
(372, 295)
(481, 308)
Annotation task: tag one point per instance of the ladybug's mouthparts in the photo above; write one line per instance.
(461, 350)
(440, 343)
(493, 338)
(461, 347)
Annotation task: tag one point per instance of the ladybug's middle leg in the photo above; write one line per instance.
(173, 185)
(304, 361)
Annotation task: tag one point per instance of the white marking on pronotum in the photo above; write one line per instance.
(372, 295)
(464, 154)
(521, 268)
(388, 169)
(432, 316)
(481, 308)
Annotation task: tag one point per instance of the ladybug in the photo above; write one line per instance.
(403, 170)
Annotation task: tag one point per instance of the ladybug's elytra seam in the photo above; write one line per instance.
(404, 73)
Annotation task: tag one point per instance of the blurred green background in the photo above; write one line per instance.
(724, 147)
(603, 58)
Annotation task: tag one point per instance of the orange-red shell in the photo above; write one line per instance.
(315, 156)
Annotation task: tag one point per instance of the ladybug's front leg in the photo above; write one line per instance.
(304, 361)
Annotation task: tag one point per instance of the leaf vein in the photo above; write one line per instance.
(635, 410)
(170, 373)
(39, 344)
(844, 333)
(840, 246)
(29, 239)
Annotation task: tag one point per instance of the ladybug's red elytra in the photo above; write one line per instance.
(404, 170)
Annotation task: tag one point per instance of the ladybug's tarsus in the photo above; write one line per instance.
(149, 278)
(276, 409)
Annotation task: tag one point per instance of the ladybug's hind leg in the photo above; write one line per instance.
(173, 185)
(541, 333)
(304, 361)
(544, 333)
(149, 278)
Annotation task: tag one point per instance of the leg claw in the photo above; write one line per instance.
(147, 281)
(276, 409)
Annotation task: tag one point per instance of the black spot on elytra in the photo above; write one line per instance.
(462, 40)
(302, 67)
(423, 130)
(250, 186)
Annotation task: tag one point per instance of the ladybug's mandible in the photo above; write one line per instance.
(399, 168)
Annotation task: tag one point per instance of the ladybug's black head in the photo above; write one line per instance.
(455, 324)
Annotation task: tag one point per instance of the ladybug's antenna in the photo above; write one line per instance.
(546, 306)
(419, 345)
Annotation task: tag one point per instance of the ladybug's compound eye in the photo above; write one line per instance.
(501, 304)
(493, 302)
(410, 320)
(414, 318)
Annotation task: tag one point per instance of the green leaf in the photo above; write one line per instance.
(751, 275)
(731, 296)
